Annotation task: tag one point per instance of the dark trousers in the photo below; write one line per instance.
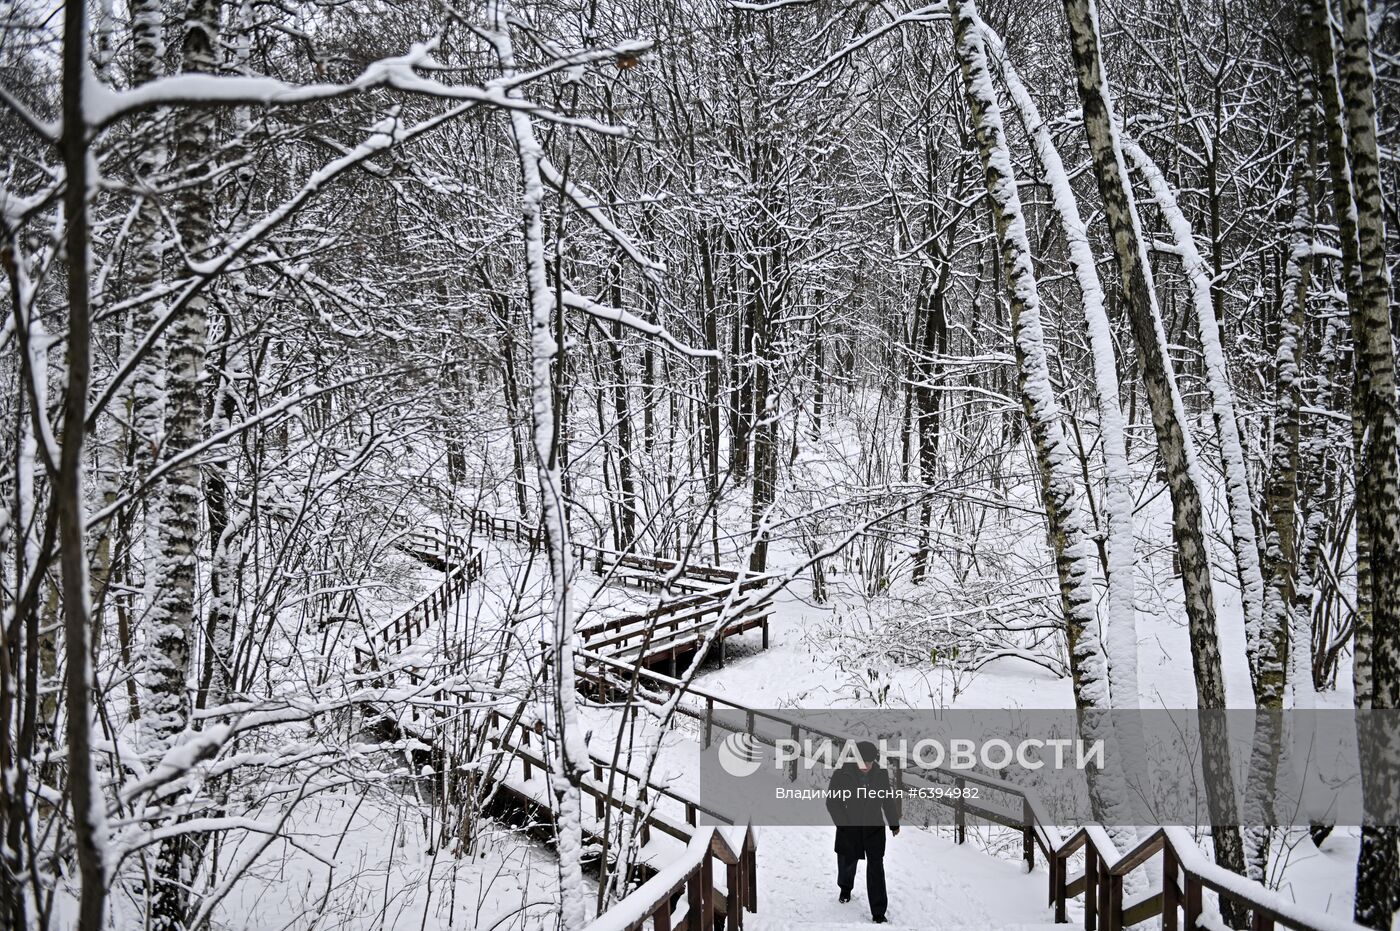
(874, 879)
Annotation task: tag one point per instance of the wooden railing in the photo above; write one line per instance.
(1186, 872)
(394, 637)
(656, 808)
(656, 570)
(673, 628)
(1020, 812)
(684, 893)
(501, 528)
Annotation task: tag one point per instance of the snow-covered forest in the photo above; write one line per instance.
(420, 418)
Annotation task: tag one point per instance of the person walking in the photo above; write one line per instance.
(861, 804)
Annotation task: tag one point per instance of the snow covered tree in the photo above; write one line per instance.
(1174, 441)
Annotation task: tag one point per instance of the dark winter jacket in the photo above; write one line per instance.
(860, 819)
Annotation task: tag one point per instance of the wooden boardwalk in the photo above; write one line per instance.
(708, 877)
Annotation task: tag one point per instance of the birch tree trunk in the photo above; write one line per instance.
(1074, 556)
(1378, 470)
(1339, 166)
(568, 753)
(1120, 642)
(1239, 501)
(180, 500)
(1168, 418)
(1269, 656)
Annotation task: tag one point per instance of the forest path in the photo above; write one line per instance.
(931, 882)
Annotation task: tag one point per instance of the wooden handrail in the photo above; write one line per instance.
(395, 636)
(1185, 873)
(688, 879)
(511, 528)
(766, 727)
(1101, 882)
(692, 873)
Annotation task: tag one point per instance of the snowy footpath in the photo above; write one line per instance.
(932, 883)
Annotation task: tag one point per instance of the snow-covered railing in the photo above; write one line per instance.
(1186, 872)
(395, 636)
(687, 572)
(655, 568)
(502, 528)
(655, 808)
(435, 547)
(684, 893)
(674, 627)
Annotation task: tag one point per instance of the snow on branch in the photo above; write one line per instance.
(923, 14)
(386, 133)
(594, 211)
(104, 105)
(632, 321)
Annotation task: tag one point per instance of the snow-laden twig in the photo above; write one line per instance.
(595, 212)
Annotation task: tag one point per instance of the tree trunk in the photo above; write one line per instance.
(568, 754)
(180, 500)
(1120, 640)
(89, 825)
(1270, 653)
(1378, 471)
(1243, 539)
(622, 414)
(1075, 560)
(1168, 418)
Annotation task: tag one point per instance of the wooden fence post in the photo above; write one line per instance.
(1027, 834)
(1059, 866)
(707, 892)
(1105, 899)
(1193, 902)
(734, 900)
(1171, 892)
(959, 811)
(1091, 884)
(694, 898)
(1113, 914)
(751, 868)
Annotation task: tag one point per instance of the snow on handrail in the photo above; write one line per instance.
(641, 903)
